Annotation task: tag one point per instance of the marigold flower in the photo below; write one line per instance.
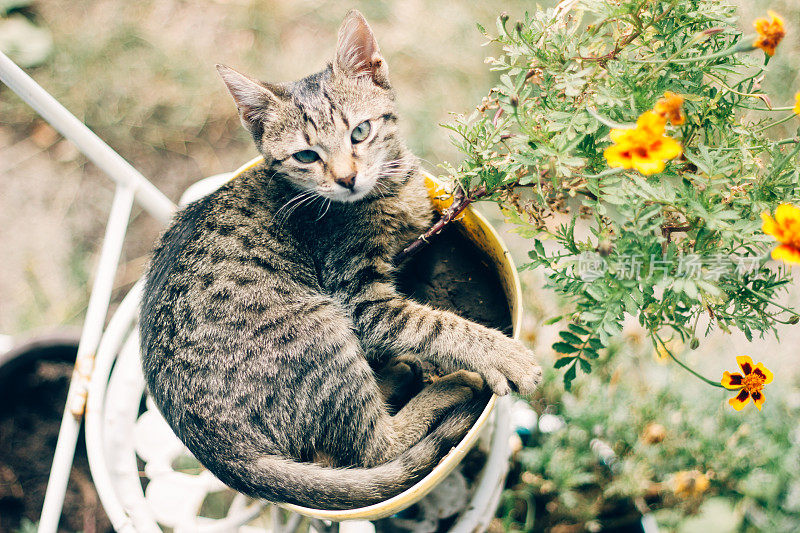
(785, 227)
(797, 103)
(770, 33)
(749, 383)
(671, 108)
(689, 483)
(644, 148)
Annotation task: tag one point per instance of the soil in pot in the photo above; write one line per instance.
(32, 396)
(452, 273)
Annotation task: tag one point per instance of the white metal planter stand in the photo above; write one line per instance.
(107, 384)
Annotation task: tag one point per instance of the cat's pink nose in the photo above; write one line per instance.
(348, 182)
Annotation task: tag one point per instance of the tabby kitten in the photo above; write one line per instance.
(267, 301)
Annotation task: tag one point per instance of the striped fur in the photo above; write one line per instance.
(269, 302)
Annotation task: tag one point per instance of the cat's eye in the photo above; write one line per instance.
(306, 156)
(360, 132)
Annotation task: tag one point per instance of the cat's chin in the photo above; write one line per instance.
(347, 197)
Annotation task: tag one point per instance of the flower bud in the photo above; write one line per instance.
(654, 433)
(605, 247)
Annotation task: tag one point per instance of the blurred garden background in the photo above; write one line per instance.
(633, 438)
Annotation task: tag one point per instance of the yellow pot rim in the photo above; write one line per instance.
(485, 236)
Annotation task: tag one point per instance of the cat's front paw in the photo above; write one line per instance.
(514, 369)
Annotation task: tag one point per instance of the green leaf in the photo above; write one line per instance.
(570, 375)
(563, 347)
(539, 247)
(578, 329)
(590, 353)
(553, 320)
(570, 337)
(595, 343)
(563, 361)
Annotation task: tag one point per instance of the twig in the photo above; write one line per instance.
(460, 202)
(767, 300)
(667, 232)
(619, 46)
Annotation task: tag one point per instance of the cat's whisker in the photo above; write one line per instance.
(395, 167)
(296, 201)
(430, 164)
(309, 198)
(321, 204)
(292, 199)
(325, 212)
(382, 186)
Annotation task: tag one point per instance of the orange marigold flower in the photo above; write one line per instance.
(785, 227)
(749, 383)
(671, 108)
(797, 103)
(770, 33)
(644, 148)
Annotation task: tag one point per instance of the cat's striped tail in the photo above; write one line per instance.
(311, 485)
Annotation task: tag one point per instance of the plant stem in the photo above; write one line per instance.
(461, 200)
(460, 203)
(767, 300)
(741, 47)
(657, 340)
(782, 163)
(693, 41)
(785, 108)
(607, 121)
(760, 96)
(777, 122)
(777, 143)
(618, 47)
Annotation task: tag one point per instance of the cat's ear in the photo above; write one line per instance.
(252, 98)
(357, 52)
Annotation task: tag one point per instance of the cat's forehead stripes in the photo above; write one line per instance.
(335, 110)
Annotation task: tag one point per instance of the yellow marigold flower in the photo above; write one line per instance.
(671, 108)
(797, 103)
(749, 383)
(689, 483)
(785, 227)
(770, 33)
(644, 148)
